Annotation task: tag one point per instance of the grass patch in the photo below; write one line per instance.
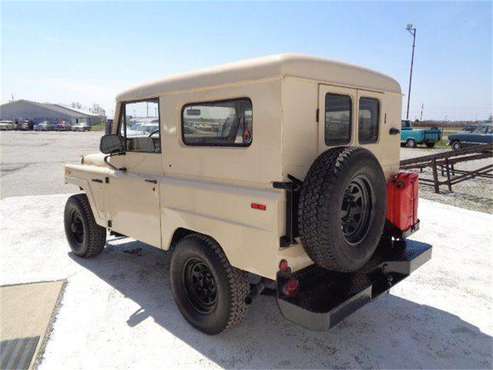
(98, 126)
(442, 144)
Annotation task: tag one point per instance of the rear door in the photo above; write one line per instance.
(336, 116)
(372, 130)
(357, 117)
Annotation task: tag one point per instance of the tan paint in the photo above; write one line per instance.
(210, 189)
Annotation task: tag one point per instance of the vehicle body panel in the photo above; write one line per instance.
(481, 135)
(210, 190)
(7, 125)
(420, 136)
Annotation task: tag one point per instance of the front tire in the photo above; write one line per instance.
(85, 237)
(210, 293)
(456, 145)
(411, 143)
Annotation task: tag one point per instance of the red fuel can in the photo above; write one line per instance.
(402, 202)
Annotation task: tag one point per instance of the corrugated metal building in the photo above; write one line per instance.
(38, 112)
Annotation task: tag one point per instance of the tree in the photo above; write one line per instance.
(97, 109)
(76, 105)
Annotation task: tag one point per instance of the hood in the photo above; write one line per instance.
(96, 159)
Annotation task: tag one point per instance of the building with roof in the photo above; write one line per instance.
(38, 112)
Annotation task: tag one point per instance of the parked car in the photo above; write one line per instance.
(470, 128)
(25, 125)
(481, 135)
(7, 125)
(63, 126)
(315, 214)
(81, 126)
(412, 137)
(44, 126)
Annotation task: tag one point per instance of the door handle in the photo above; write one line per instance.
(394, 131)
(97, 180)
(151, 181)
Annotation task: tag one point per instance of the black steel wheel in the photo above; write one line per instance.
(210, 293)
(357, 209)
(76, 231)
(85, 237)
(200, 285)
(341, 210)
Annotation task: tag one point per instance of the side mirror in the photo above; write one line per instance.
(112, 144)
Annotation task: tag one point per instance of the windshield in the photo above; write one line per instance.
(142, 126)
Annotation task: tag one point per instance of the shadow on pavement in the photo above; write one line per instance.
(389, 333)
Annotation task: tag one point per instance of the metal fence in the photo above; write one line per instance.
(443, 165)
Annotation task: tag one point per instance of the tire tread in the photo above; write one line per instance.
(96, 234)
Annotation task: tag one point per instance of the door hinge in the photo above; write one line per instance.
(317, 113)
(110, 224)
(107, 180)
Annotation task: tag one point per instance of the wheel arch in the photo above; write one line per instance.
(179, 234)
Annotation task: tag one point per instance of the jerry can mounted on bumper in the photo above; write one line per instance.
(318, 299)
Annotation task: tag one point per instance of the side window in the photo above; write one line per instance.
(338, 116)
(369, 112)
(220, 123)
(140, 126)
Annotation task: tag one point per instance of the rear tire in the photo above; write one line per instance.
(456, 145)
(342, 208)
(430, 145)
(411, 143)
(210, 293)
(85, 237)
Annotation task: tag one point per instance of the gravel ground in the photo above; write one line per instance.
(118, 313)
(476, 194)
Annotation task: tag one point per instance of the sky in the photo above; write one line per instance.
(88, 52)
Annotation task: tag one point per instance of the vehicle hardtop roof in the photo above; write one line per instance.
(267, 67)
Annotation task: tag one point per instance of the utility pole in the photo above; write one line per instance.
(421, 115)
(412, 30)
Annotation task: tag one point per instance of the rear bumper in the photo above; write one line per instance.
(326, 298)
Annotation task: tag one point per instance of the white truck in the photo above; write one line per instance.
(277, 175)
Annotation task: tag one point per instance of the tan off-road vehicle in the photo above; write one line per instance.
(276, 175)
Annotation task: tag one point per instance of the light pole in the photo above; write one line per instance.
(412, 30)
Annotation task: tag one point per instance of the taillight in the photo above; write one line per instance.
(283, 266)
(291, 287)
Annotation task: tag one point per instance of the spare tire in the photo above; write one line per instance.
(342, 207)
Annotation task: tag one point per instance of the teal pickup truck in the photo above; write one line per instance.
(411, 137)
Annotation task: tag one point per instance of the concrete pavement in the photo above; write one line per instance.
(118, 313)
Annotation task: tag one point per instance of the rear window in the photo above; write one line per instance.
(338, 116)
(220, 123)
(369, 111)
